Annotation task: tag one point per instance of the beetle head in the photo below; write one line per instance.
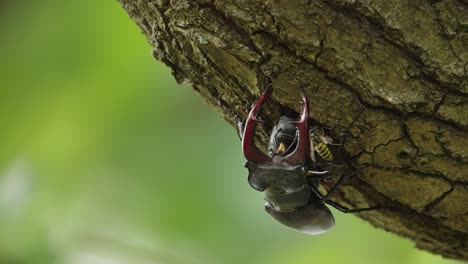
(282, 137)
(298, 156)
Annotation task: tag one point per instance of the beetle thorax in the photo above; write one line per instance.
(276, 175)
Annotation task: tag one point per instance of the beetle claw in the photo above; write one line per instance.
(250, 150)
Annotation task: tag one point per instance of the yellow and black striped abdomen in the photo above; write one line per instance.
(323, 151)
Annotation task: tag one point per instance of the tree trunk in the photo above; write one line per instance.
(404, 61)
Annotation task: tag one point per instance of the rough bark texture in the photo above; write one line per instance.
(403, 60)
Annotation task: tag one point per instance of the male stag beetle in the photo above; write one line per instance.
(286, 176)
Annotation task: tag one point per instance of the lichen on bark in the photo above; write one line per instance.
(403, 61)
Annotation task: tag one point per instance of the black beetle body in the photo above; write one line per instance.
(286, 176)
(288, 197)
(282, 174)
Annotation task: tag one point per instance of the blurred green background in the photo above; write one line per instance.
(105, 159)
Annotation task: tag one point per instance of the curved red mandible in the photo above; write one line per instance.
(251, 152)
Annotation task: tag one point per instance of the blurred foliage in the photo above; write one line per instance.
(105, 159)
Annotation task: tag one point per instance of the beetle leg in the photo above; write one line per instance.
(345, 132)
(299, 155)
(343, 209)
(250, 150)
(328, 164)
(340, 207)
(333, 190)
(311, 173)
(321, 175)
(326, 198)
(240, 128)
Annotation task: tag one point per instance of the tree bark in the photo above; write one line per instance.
(404, 61)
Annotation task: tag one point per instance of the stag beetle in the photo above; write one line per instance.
(287, 175)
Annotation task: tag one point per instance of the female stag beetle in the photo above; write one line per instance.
(286, 176)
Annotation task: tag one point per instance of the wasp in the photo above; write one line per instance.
(319, 143)
(287, 175)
